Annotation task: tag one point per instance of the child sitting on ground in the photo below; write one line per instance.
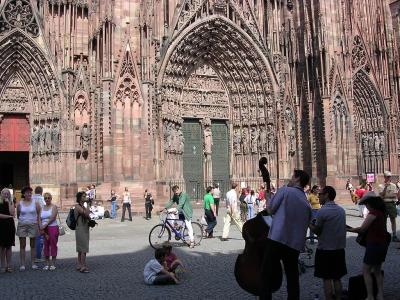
(155, 273)
(171, 260)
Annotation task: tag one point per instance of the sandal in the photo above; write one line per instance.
(84, 270)
(191, 246)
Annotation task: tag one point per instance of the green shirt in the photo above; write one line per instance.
(184, 206)
(208, 201)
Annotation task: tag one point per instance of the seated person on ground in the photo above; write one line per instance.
(154, 272)
(171, 260)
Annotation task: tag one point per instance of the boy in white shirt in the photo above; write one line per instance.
(154, 272)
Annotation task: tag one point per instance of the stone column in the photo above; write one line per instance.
(107, 143)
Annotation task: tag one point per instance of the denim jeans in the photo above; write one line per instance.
(211, 222)
(39, 246)
(250, 211)
(113, 209)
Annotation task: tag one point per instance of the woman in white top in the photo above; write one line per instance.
(49, 229)
(251, 202)
(28, 212)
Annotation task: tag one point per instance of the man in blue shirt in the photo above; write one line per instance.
(291, 214)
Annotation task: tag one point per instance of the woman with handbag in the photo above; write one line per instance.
(376, 241)
(49, 229)
(82, 217)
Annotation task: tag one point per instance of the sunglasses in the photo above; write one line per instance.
(321, 193)
(46, 198)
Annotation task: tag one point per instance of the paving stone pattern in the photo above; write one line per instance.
(119, 251)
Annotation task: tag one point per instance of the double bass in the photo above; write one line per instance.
(248, 264)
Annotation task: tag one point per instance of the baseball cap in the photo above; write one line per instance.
(387, 174)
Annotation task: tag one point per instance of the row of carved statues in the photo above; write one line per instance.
(174, 141)
(373, 142)
(45, 137)
(256, 139)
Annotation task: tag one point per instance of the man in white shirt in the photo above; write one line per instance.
(217, 196)
(232, 213)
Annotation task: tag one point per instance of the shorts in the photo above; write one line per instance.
(375, 254)
(330, 264)
(391, 210)
(27, 230)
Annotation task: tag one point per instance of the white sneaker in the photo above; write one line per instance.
(22, 268)
(52, 268)
(34, 267)
(46, 268)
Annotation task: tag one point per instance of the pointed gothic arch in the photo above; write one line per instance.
(370, 122)
(245, 71)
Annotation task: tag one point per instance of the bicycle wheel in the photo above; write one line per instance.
(197, 234)
(158, 235)
(308, 255)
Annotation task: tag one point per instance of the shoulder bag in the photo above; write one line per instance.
(61, 228)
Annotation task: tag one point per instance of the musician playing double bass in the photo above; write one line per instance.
(286, 238)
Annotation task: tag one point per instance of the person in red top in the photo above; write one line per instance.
(359, 193)
(171, 260)
(377, 242)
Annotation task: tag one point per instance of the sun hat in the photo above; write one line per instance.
(367, 196)
(387, 174)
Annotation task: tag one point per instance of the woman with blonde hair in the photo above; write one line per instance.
(49, 229)
(7, 232)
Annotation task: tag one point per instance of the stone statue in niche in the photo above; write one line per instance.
(377, 143)
(85, 138)
(237, 139)
(208, 142)
(271, 139)
(254, 139)
(35, 139)
(181, 140)
(382, 142)
(245, 140)
(48, 138)
(364, 142)
(263, 139)
(175, 139)
(370, 142)
(167, 136)
(269, 112)
(42, 138)
(55, 137)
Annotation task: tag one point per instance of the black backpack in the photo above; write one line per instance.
(71, 220)
(107, 214)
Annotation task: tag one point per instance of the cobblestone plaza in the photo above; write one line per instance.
(119, 251)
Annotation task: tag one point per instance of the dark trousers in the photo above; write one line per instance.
(148, 208)
(216, 202)
(211, 221)
(163, 279)
(126, 206)
(274, 252)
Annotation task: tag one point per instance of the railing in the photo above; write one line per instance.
(196, 189)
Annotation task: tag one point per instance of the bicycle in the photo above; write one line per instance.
(161, 233)
(307, 257)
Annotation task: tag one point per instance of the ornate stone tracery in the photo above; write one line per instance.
(18, 14)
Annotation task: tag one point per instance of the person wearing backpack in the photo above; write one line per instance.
(82, 218)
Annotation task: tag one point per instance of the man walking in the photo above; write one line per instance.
(38, 197)
(126, 205)
(184, 208)
(286, 238)
(388, 192)
(209, 211)
(232, 213)
(330, 258)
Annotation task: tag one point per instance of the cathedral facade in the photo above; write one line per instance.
(142, 94)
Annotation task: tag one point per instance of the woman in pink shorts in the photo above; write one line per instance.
(49, 229)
